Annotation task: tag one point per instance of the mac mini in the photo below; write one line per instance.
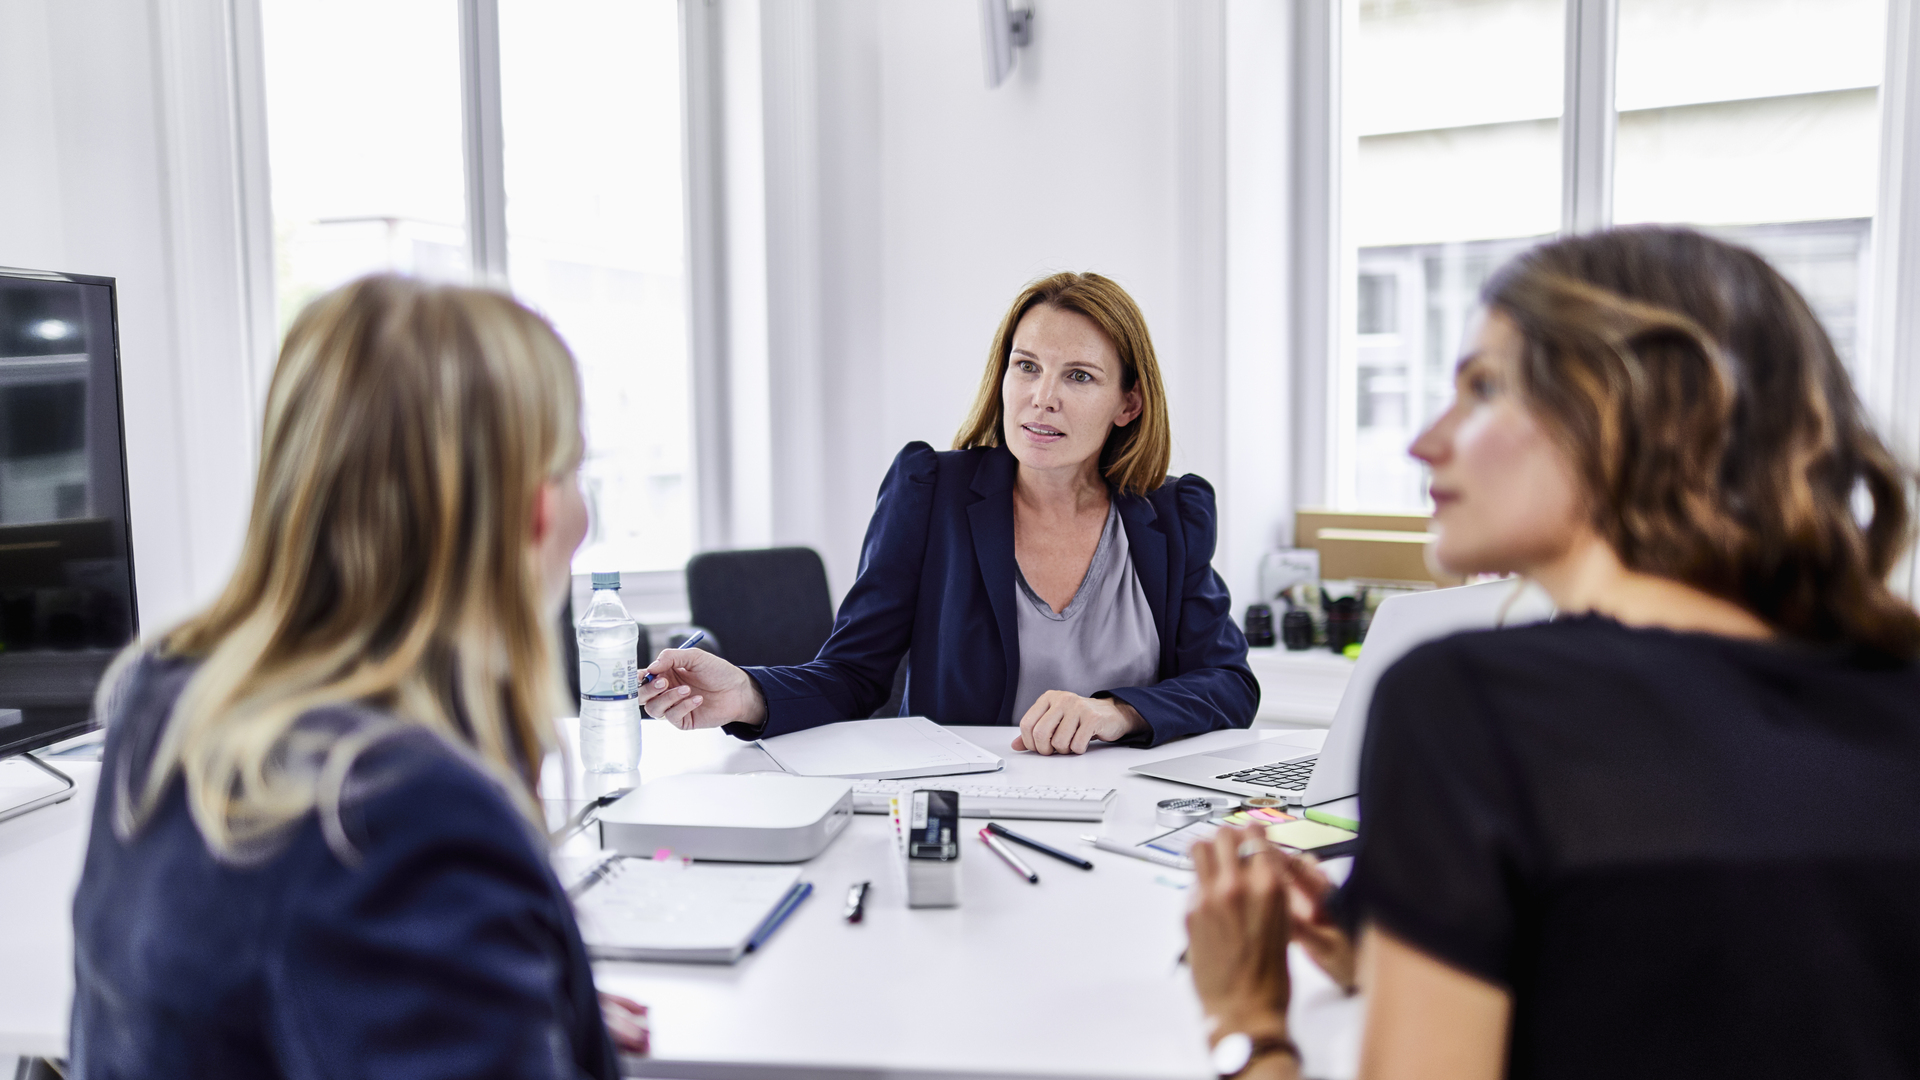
(764, 818)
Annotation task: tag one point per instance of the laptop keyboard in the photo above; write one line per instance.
(1281, 775)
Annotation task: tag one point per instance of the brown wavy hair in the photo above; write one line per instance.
(1716, 433)
(1135, 457)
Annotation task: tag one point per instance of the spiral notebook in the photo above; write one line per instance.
(639, 909)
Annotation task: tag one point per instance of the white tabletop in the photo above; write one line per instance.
(1073, 977)
(40, 855)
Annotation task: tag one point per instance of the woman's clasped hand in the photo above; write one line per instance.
(1062, 722)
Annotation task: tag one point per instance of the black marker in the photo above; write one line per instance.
(1045, 849)
(857, 901)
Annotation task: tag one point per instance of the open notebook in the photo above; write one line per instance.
(639, 909)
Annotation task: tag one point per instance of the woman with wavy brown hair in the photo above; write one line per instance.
(1675, 832)
(1046, 573)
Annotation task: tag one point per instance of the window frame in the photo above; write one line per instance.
(1325, 289)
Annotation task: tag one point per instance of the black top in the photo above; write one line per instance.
(1685, 855)
(428, 939)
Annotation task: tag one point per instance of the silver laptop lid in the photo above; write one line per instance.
(1399, 624)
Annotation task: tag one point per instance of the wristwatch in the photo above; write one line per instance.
(1237, 1050)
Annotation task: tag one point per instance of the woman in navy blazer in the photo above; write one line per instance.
(318, 849)
(1063, 460)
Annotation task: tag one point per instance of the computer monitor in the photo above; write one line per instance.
(66, 550)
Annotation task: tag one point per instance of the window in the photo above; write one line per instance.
(1452, 112)
(363, 113)
(1757, 120)
(590, 105)
(1760, 121)
(367, 145)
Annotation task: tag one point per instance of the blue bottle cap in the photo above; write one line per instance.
(606, 581)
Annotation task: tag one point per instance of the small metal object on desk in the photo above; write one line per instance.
(856, 902)
(1173, 813)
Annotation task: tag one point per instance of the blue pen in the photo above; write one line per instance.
(799, 892)
(698, 637)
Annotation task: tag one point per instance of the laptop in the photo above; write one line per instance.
(1276, 766)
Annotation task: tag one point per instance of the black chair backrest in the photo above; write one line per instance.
(766, 606)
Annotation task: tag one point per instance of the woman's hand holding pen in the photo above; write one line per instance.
(1325, 940)
(693, 688)
(1061, 722)
(1237, 932)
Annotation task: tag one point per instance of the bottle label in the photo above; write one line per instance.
(609, 676)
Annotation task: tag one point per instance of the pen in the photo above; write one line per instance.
(1334, 820)
(798, 893)
(1155, 857)
(698, 637)
(1045, 849)
(599, 874)
(1012, 860)
(857, 901)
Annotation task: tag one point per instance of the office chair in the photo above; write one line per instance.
(770, 606)
(767, 606)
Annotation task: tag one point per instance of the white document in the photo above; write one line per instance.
(889, 749)
(638, 909)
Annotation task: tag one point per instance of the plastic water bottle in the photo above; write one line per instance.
(609, 682)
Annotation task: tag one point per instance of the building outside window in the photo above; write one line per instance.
(365, 142)
(1757, 120)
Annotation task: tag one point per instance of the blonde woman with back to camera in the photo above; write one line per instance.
(318, 849)
(1675, 832)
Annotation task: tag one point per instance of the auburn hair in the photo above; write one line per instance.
(1135, 457)
(1715, 431)
(389, 560)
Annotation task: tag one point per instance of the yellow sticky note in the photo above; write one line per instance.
(1306, 835)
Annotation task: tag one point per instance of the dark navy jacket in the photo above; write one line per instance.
(937, 577)
(442, 946)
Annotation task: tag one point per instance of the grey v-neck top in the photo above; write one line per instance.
(1104, 640)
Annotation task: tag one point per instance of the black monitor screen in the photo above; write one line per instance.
(66, 555)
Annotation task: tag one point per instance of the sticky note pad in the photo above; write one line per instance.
(1307, 835)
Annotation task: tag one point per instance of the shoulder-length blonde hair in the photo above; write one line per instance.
(1135, 457)
(389, 558)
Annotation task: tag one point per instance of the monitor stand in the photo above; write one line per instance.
(32, 801)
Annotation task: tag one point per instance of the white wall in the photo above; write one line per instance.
(120, 160)
(897, 205)
(936, 199)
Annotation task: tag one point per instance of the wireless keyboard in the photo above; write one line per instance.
(992, 800)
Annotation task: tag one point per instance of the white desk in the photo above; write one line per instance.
(40, 857)
(1073, 977)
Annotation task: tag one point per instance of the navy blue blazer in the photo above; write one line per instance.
(441, 946)
(937, 577)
